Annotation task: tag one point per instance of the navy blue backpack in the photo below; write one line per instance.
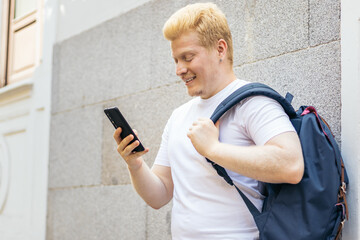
(315, 208)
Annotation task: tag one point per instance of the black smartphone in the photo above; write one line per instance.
(118, 120)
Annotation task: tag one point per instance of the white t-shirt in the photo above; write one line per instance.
(204, 205)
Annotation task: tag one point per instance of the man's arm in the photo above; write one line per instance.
(280, 160)
(155, 186)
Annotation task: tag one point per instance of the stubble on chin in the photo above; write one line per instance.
(195, 94)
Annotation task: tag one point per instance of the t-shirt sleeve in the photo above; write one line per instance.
(162, 155)
(263, 118)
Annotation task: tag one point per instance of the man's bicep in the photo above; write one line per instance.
(290, 153)
(288, 141)
(164, 174)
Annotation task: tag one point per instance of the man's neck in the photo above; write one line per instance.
(223, 81)
(226, 79)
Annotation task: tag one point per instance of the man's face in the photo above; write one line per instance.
(196, 65)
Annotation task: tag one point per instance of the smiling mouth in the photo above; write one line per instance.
(190, 79)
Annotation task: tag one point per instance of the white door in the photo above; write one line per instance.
(350, 118)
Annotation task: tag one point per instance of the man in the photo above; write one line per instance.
(254, 141)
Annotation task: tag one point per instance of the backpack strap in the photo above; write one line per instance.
(251, 89)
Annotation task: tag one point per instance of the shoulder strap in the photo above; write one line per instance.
(251, 89)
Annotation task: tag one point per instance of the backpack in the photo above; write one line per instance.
(316, 207)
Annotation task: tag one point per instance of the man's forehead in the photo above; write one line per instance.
(182, 51)
(185, 44)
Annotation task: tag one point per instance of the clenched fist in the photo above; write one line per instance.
(204, 135)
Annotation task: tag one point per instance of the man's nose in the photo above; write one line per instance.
(180, 69)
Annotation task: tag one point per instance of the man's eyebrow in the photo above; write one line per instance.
(184, 53)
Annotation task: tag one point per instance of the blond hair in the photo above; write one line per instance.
(206, 19)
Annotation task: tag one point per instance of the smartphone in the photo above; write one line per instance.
(118, 120)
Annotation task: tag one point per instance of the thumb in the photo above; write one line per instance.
(217, 124)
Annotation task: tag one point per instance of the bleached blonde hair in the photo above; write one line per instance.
(206, 19)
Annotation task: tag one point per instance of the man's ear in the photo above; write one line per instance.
(222, 48)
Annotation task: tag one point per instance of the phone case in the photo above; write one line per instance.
(118, 120)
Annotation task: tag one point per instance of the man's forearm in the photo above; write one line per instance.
(269, 163)
(149, 186)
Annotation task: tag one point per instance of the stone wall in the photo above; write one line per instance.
(291, 45)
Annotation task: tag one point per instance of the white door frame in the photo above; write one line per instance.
(350, 110)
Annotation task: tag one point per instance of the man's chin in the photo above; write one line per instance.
(195, 93)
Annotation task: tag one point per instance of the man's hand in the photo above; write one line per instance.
(126, 150)
(204, 135)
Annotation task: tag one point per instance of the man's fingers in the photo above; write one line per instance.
(128, 150)
(139, 154)
(124, 143)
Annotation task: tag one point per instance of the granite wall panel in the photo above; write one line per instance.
(291, 45)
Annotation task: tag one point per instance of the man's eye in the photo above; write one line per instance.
(188, 59)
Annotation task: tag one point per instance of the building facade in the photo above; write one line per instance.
(63, 62)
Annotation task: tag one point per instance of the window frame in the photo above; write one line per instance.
(10, 26)
(4, 41)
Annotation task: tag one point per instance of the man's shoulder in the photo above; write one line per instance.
(259, 102)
